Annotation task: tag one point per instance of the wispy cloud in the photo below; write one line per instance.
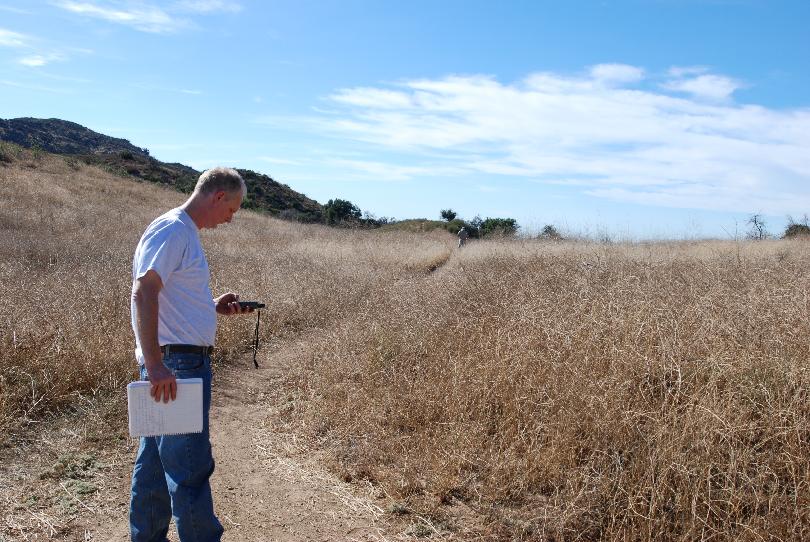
(9, 38)
(33, 87)
(148, 16)
(209, 6)
(36, 61)
(613, 131)
(712, 87)
(18, 11)
(141, 16)
(279, 161)
(156, 88)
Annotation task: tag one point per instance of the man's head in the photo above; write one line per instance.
(217, 196)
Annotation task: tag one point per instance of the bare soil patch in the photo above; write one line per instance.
(71, 481)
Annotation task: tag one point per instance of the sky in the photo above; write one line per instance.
(630, 119)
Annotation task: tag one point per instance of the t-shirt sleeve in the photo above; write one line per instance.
(161, 251)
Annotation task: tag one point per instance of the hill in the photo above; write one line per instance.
(121, 157)
(62, 137)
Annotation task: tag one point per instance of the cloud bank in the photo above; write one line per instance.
(677, 140)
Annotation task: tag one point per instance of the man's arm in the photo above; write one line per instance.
(145, 292)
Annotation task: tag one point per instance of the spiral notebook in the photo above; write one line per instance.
(150, 418)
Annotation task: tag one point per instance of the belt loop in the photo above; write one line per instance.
(167, 350)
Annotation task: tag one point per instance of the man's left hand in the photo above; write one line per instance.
(228, 304)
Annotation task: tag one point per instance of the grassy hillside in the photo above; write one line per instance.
(120, 157)
(507, 391)
(62, 137)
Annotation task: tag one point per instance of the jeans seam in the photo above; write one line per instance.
(192, 515)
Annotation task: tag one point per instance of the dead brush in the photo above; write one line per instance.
(649, 392)
(67, 244)
(553, 391)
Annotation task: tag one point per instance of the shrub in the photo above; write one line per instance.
(337, 211)
(796, 230)
(499, 226)
(5, 152)
(455, 225)
(550, 232)
(448, 214)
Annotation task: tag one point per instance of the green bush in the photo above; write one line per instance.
(337, 211)
(499, 226)
(456, 224)
(5, 152)
(796, 230)
(550, 233)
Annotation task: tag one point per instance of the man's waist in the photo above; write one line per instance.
(167, 349)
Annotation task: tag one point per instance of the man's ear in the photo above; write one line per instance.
(219, 195)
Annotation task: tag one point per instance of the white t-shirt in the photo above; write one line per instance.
(186, 311)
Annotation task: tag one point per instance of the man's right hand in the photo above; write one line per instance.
(164, 383)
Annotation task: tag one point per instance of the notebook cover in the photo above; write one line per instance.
(149, 418)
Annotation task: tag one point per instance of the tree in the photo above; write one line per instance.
(551, 233)
(758, 229)
(341, 210)
(476, 223)
(797, 229)
(448, 214)
(499, 226)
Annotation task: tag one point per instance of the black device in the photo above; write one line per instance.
(251, 304)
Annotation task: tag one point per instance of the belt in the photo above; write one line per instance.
(166, 349)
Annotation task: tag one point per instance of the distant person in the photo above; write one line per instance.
(463, 234)
(174, 317)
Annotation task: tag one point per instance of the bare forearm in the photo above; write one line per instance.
(146, 320)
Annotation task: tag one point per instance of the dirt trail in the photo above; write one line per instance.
(267, 486)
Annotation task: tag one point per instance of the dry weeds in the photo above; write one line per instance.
(508, 391)
(576, 391)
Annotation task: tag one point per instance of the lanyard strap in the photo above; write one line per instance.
(256, 339)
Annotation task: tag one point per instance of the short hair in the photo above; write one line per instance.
(220, 178)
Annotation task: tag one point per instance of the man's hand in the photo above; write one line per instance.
(229, 304)
(163, 381)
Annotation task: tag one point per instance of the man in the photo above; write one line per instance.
(174, 320)
(463, 234)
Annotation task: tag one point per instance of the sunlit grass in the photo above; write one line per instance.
(551, 391)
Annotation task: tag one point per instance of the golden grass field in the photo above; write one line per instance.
(517, 390)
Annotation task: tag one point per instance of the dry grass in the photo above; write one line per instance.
(67, 243)
(585, 392)
(509, 391)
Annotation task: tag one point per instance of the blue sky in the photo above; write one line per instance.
(637, 119)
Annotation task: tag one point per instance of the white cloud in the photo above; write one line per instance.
(372, 97)
(713, 87)
(209, 6)
(387, 171)
(33, 60)
(154, 17)
(681, 71)
(12, 39)
(617, 73)
(279, 161)
(611, 140)
(16, 10)
(38, 88)
(138, 15)
(38, 60)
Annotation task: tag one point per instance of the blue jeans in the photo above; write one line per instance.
(171, 473)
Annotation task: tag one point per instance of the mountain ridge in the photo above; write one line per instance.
(118, 155)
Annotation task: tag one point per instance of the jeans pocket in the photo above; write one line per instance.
(185, 363)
